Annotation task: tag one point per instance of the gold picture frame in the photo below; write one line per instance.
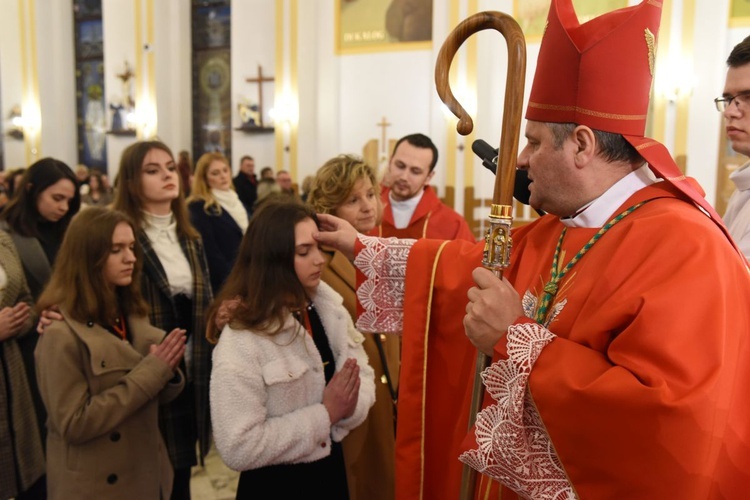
(739, 13)
(366, 26)
(532, 14)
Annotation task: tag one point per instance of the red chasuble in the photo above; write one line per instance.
(638, 387)
(431, 219)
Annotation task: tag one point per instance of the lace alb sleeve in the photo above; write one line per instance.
(381, 294)
(514, 447)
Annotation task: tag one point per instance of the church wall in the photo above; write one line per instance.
(396, 85)
(36, 61)
(11, 85)
(253, 44)
(172, 44)
(710, 51)
(340, 99)
(56, 82)
(118, 21)
(318, 87)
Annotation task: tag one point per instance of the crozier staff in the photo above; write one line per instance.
(617, 372)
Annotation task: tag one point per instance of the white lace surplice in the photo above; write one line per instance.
(514, 447)
(383, 262)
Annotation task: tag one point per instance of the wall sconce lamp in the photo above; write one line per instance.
(285, 112)
(15, 129)
(676, 79)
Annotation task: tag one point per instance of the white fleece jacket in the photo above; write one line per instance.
(266, 392)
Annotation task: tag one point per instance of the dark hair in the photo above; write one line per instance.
(77, 283)
(740, 54)
(263, 277)
(420, 141)
(246, 157)
(97, 174)
(10, 177)
(613, 147)
(21, 212)
(129, 192)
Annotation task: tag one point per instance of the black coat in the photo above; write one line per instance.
(247, 190)
(221, 240)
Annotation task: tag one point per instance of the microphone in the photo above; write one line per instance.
(488, 155)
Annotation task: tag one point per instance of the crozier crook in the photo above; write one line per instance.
(497, 238)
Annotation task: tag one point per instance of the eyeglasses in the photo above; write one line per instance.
(742, 99)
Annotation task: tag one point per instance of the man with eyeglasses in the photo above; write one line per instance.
(735, 106)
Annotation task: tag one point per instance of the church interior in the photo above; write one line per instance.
(293, 83)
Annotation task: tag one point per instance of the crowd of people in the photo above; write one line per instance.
(325, 340)
(94, 277)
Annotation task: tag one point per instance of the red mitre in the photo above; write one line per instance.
(599, 74)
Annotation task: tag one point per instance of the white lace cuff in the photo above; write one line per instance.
(383, 262)
(514, 447)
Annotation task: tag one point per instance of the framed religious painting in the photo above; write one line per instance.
(211, 77)
(90, 102)
(532, 14)
(739, 13)
(382, 25)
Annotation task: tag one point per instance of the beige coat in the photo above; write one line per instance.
(21, 458)
(102, 396)
(369, 450)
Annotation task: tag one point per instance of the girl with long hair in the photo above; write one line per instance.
(175, 284)
(345, 186)
(218, 214)
(103, 368)
(45, 201)
(290, 378)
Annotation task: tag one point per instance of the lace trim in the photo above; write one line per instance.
(383, 262)
(514, 447)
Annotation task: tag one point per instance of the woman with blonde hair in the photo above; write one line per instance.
(175, 283)
(345, 186)
(103, 368)
(218, 214)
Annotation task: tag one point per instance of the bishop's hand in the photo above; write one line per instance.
(337, 233)
(493, 306)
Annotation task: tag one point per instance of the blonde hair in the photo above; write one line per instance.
(267, 189)
(200, 189)
(335, 181)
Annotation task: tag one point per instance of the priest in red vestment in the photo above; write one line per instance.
(620, 335)
(411, 208)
